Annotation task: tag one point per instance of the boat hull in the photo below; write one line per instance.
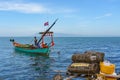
(42, 51)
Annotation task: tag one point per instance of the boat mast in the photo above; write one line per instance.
(47, 31)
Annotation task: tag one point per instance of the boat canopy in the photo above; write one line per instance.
(50, 33)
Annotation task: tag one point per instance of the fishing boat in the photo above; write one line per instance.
(30, 48)
(43, 49)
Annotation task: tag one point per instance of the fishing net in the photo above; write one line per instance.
(84, 68)
(88, 57)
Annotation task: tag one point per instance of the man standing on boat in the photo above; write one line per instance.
(36, 42)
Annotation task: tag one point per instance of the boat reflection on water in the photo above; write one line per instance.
(39, 66)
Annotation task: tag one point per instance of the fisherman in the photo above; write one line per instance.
(36, 42)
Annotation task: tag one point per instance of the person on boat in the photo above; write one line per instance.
(44, 45)
(36, 42)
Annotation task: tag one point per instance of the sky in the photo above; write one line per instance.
(81, 18)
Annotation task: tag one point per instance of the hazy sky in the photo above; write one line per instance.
(77, 17)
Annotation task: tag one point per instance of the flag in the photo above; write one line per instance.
(46, 24)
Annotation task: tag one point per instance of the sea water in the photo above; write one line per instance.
(24, 66)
